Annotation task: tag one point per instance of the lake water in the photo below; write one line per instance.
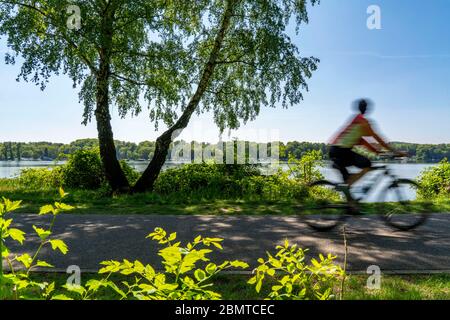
(9, 169)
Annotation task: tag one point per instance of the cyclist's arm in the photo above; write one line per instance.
(380, 140)
(369, 146)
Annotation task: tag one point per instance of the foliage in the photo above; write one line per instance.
(189, 272)
(306, 169)
(176, 283)
(17, 284)
(427, 153)
(299, 280)
(435, 181)
(209, 178)
(278, 186)
(131, 174)
(84, 170)
(42, 178)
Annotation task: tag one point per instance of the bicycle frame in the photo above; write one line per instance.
(384, 171)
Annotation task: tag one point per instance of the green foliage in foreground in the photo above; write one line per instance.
(17, 284)
(435, 182)
(188, 271)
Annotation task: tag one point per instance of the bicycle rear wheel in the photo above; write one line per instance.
(328, 206)
(401, 209)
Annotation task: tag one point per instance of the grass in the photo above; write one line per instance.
(235, 287)
(96, 202)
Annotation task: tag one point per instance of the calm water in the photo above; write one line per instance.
(9, 169)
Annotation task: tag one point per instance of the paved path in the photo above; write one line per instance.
(94, 238)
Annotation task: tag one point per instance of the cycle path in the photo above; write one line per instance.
(95, 238)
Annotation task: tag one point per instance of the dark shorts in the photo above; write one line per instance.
(345, 157)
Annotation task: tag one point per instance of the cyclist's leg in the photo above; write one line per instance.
(361, 162)
(340, 159)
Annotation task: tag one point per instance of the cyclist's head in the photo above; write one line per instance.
(363, 105)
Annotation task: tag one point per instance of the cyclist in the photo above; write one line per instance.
(356, 133)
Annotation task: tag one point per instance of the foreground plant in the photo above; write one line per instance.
(183, 279)
(295, 279)
(17, 283)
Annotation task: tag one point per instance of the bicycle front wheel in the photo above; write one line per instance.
(327, 207)
(401, 209)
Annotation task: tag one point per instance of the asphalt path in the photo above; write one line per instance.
(95, 238)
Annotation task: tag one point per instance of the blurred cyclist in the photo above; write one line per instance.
(356, 133)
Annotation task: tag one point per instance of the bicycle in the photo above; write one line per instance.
(333, 202)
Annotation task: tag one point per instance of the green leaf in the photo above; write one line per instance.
(25, 259)
(172, 236)
(75, 288)
(43, 264)
(239, 264)
(17, 235)
(211, 268)
(59, 245)
(63, 207)
(94, 284)
(11, 205)
(271, 272)
(43, 234)
(61, 297)
(62, 194)
(199, 274)
(49, 289)
(259, 285)
(5, 251)
(46, 209)
(252, 280)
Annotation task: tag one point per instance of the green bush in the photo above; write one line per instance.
(435, 181)
(278, 186)
(295, 279)
(131, 173)
(205, 180)
(42, 178)
(84, 170)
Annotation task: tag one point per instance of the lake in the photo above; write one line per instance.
(9, 169)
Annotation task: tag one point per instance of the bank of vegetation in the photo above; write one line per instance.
(423, 153)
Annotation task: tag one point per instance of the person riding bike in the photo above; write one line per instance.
(356, 133)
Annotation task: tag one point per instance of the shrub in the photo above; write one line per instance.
(206, 180)
(274, 187)
(131, 173)
(295, 279)
(306, 170)
(42, 178)
(84, 170)
(435, 181)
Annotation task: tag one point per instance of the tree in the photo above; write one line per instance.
(106, 54)
(230, 57)
(19, 151)
(245, 60)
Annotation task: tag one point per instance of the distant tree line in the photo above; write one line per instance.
(16, 151)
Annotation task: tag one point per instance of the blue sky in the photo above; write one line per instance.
(404, 68)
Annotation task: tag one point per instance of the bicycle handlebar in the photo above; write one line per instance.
(393, 156)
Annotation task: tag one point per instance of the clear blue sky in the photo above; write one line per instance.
(404, 68)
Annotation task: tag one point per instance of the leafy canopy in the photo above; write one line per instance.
(157, 49)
